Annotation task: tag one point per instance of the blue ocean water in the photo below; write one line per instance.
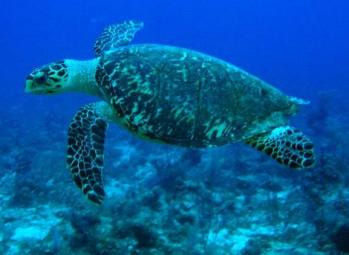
(162, 199)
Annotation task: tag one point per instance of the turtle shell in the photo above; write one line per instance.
(183, 97)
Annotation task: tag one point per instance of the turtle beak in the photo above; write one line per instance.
(29, 84)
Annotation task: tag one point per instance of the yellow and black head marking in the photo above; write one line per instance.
(49, 79)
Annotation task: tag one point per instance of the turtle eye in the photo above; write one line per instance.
(40, 78)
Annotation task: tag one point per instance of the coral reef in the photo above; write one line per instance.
(169, 200)
(341, 238)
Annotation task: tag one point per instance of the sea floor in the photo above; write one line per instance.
(167, 200)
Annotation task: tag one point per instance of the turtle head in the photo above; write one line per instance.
(64, 76)
(48, 79)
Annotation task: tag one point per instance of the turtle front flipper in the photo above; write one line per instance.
(85, 150)
(286, 145)
(116, 35)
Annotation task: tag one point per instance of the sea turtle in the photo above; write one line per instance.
(171, 95)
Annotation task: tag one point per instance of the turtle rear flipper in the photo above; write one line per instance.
(116, 35)
(286, 145)
(85, 151)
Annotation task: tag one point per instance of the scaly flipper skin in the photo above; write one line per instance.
(116, 35)
(85, 151)
(286, 145)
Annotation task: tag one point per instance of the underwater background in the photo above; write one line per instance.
(162, 199)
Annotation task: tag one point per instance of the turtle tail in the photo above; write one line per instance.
(85, 151)
(286, 145)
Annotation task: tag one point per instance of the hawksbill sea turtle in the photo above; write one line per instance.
(171, 95)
